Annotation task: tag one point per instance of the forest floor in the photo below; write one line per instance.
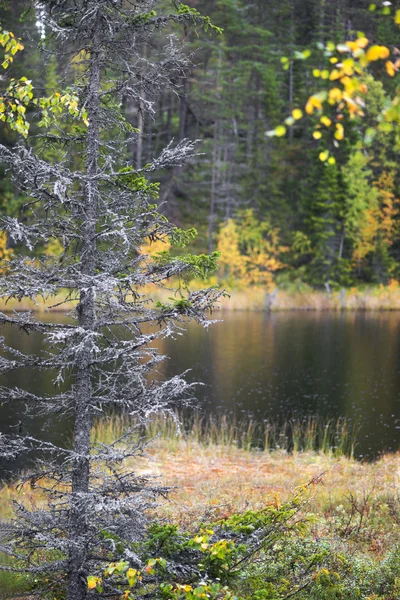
(212, 482)
(356, 505)
(209, 481)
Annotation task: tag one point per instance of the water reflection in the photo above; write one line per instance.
(279, 365)
(272, 366)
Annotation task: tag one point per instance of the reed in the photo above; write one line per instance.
(255, 298)
(335, 437)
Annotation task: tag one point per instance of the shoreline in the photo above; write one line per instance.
(258, 299)
(226, 478)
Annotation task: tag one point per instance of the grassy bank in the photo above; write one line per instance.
(241, 460)
(216, 464)
(349, 511)
(301, 297)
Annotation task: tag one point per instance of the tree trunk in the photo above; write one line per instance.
(213, 192)
(78, 523)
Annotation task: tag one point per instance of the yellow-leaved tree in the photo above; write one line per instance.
(5, 253)
(343, 91)
(250, 250)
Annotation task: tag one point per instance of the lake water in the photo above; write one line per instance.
(275, 366)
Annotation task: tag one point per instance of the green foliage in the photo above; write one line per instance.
(19, 96)
(269, 554)
(184, 9)
(181, 238)
(11, 46)
(13, 104)
(136, 182)
(53, 107)
(291, 62)
(12, 584)
(189, 266)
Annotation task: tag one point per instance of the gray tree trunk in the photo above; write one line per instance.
(78, 526)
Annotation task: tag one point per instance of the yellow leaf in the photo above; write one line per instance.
(325, 74)
(297, 114)
(131, 573)
(92, 582)
(348, 66)
(280, 131)
(373, 53)
(331, 160)
(335, 74)
(397, 17)
(339, 133)
(309, 107)
(385, 52)
(362, 42)
(317, 135)
(390, 68)
(313, 103)
(333, 60)
(326, 121)
(352, 45)
(335, 95)
(316, 72)
(323, 156)
(352, 107)
(377, 52)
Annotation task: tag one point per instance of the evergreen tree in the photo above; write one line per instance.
(102, 213)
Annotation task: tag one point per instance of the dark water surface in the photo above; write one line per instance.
(273, 366)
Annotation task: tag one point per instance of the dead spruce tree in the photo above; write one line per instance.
(102, 213)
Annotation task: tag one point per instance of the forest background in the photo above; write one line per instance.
(280, 217)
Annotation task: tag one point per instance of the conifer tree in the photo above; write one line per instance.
(102, 212)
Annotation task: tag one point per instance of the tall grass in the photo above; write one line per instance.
(257, 298)
(312, 434)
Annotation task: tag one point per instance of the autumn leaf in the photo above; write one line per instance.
(390, 68)
(339, 133)
(326, 121)
(335, 95)
(93, 582)
(323, 156)
(280, 131)
(377, 52)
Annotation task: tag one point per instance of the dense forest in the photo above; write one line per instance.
(262, 137)
(278, 214)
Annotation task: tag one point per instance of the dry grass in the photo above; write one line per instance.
(353, 299)
(212, 480)
(220, 480)
(211, 477)
(254, 298)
